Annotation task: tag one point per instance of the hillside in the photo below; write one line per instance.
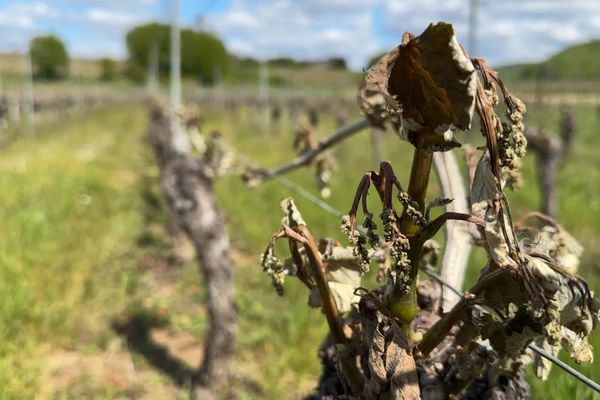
(580, 62)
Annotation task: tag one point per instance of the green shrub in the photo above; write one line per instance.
(108, 69)
(49, 57)
(203, 56)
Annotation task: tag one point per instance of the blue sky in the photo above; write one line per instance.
(509, 30)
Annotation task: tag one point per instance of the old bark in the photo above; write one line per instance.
(188, 185)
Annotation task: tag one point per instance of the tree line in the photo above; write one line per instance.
(203, 56)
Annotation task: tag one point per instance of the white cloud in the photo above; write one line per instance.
(23, 15)
(113, 4)
(508, 30)
(100, 26)
(310, 29)
(104, 16)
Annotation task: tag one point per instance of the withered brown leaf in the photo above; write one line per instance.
(428, 78)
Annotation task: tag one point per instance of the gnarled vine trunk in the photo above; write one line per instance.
(188, 185)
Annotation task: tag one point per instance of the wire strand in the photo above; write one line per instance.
(566, 367)
(308, 196)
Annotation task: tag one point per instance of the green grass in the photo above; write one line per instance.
(70, 264)
(68, 230)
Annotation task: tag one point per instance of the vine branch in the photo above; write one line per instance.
(259, 176)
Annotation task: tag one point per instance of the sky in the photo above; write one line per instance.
(508, 31)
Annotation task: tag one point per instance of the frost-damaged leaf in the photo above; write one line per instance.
(573, 311)
(343, 281)
(373, 97)
(540, 299)
(343, 267)
(344, 271)
(376, 365)
(484, 190)
(485, 194)
(434, 80)
(429, 80)
(292, 217)
(567, 312)
(391, 366)
(401, 367)
(544, 235)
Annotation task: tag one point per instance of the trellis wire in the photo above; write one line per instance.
(308, 196)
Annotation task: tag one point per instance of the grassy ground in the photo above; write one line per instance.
(84, 249)
(68, 201)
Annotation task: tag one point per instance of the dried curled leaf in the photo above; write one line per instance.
(429, 81)
(485, 197)
(547, 237)
(344, 273)
(292, 214)
(392, 368)
(343, 267)
(556, 309)
(434, 81)
(343, 281)
(374, 99)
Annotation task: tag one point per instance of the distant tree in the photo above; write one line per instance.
(49, 57)
(287, 62)
(246, 62)
(203, 55)
(337, 63)
(108, 69)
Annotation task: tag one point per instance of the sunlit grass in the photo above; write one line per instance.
(69, 220)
